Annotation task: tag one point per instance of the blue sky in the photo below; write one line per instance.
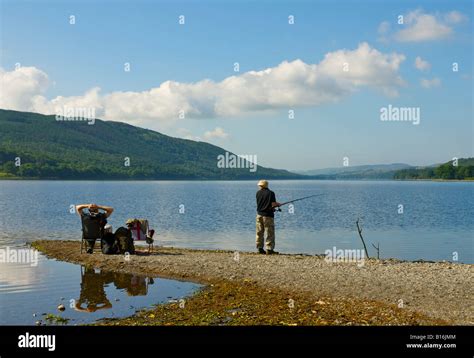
(60, 59)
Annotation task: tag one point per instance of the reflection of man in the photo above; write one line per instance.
(93, 222)
(92, 291)
(266, 204)
(93, 284)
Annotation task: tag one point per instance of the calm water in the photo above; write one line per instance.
(28, 293)
(437, 220)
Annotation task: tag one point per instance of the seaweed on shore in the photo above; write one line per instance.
(247, 303)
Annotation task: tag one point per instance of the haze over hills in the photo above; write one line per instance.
(356, 169)
(400, 171)
(463, 170)
(55, 149)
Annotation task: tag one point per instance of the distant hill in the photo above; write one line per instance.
(400, 171)
(55, 149)
(447, 171)
(376, 171)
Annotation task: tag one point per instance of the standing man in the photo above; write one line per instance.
(266, 204)
(93, 222)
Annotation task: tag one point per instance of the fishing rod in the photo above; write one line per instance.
(292, 201)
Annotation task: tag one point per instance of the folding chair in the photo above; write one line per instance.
(84, 243)
(106, 228)
(140, 231)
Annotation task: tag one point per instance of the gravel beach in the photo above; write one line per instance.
(441, 291)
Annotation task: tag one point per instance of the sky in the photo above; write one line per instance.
(299, 84)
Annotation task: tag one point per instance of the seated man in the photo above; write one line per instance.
(93, 222)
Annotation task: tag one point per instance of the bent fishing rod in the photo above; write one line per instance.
(277, 208)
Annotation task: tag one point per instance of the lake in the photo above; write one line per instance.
(437, 217)
(409, 220)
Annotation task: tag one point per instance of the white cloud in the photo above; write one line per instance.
(419, 26)
(289, 84)
(455, 17)
(21, 87)
(187, 134)
(422, 27)
(421, 64)
(217, 133)
(90, 99)
(430, 83)
(383, 30)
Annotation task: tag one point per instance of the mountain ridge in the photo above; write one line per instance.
(36, 146)
(51, 149)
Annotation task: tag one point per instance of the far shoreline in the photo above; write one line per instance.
(234, 180)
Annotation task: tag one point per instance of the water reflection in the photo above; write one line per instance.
(29, 293)
(94, 282)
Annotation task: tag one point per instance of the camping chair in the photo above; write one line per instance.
(141, 232)
(84, 243)
(106, 228)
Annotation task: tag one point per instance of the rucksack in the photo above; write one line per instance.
(123, 237)
(109, 244)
